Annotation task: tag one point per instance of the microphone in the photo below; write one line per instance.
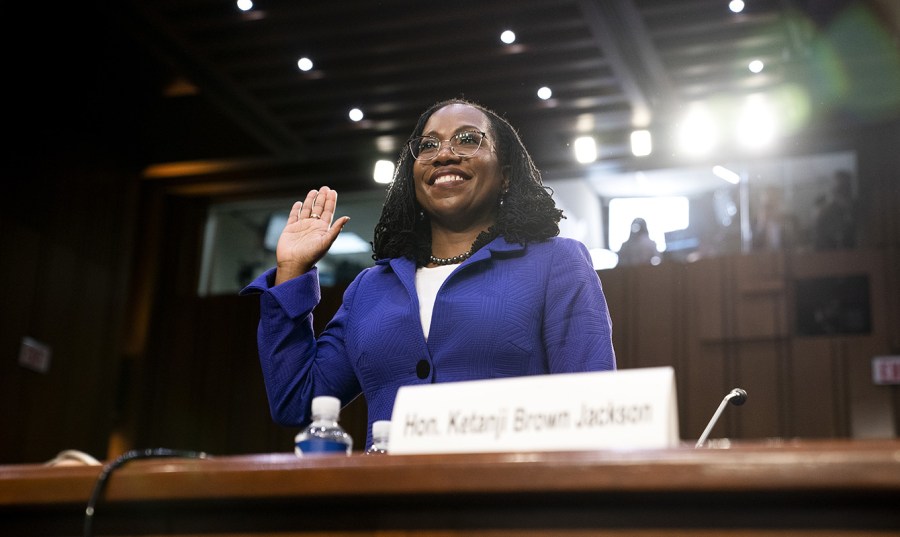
(737, 397)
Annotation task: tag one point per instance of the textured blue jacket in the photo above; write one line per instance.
(509, 310)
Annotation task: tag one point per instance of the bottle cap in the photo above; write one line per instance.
(381, 429)
(326, 406)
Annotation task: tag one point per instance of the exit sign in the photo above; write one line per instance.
(886, 369)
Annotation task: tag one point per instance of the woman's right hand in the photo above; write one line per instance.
(308, 234)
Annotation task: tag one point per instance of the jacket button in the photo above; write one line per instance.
(422, 369)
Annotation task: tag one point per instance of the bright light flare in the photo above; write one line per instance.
(585, 149)
(756, 126)
(697, 133)
(641, 143)
(384, 172)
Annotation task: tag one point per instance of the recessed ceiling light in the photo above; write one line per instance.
(245, 5)
(356, 114)
(756, 66)
(736, 6)
(305, 64)
(585, 149)
(545, 93)
(384, 171)
(508, 37)
(641, 143)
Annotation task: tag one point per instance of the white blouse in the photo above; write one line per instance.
(428, 282)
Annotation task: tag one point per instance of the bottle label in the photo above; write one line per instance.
(315, 446)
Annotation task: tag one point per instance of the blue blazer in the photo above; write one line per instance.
(509, 310)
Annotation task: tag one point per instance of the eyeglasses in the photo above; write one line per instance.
(463, 144)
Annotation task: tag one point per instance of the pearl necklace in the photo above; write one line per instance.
(450, 260)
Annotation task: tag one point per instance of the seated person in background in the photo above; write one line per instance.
(639, 249)
(470, 280)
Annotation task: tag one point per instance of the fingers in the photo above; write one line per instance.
(319, 205)
(335, 229)
(307, 207)
(328, 205)
(294, 215)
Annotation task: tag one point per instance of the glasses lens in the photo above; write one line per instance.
(465, 144)
(424, 147)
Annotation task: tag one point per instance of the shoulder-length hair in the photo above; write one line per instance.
(527, 214)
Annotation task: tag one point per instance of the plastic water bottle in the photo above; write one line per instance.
(381, 431)
(324, 435)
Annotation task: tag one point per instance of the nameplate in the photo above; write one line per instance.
(624, 409)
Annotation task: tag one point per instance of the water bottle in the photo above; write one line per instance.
(381, 431)
(324, 435)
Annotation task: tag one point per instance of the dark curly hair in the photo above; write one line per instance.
(527, 214)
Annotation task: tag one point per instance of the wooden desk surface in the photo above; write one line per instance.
(836, 487)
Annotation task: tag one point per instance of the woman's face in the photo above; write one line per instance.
(459, 192)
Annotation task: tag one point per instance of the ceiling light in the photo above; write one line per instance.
(508, 37)
(356, 114)
(755, 66)
(641, 143)
(585, 149)
(305, 64)
(736, 6)
(727, 175)
(245, 5)
(545, 93)
(384, 171)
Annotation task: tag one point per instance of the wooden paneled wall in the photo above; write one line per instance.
(731, 322)
(66, 236)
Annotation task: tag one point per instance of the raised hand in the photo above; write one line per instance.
(308, 234)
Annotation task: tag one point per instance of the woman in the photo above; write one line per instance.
(469, 282)
(639, 249)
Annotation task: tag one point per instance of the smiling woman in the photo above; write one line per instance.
(470, 279)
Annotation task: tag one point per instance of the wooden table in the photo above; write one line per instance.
(835, 488)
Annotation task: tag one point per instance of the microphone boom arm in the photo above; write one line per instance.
(737, 396)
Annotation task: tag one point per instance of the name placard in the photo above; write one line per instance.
(624, 409)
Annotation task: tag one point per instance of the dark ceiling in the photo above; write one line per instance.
(235, 114)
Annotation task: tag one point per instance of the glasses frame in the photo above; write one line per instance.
(412, 151)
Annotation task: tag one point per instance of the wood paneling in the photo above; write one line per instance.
(730, 322)
(815, 390)
(65, 274)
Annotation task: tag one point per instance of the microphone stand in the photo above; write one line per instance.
(737, 397)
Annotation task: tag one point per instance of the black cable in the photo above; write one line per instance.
(119, 461)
